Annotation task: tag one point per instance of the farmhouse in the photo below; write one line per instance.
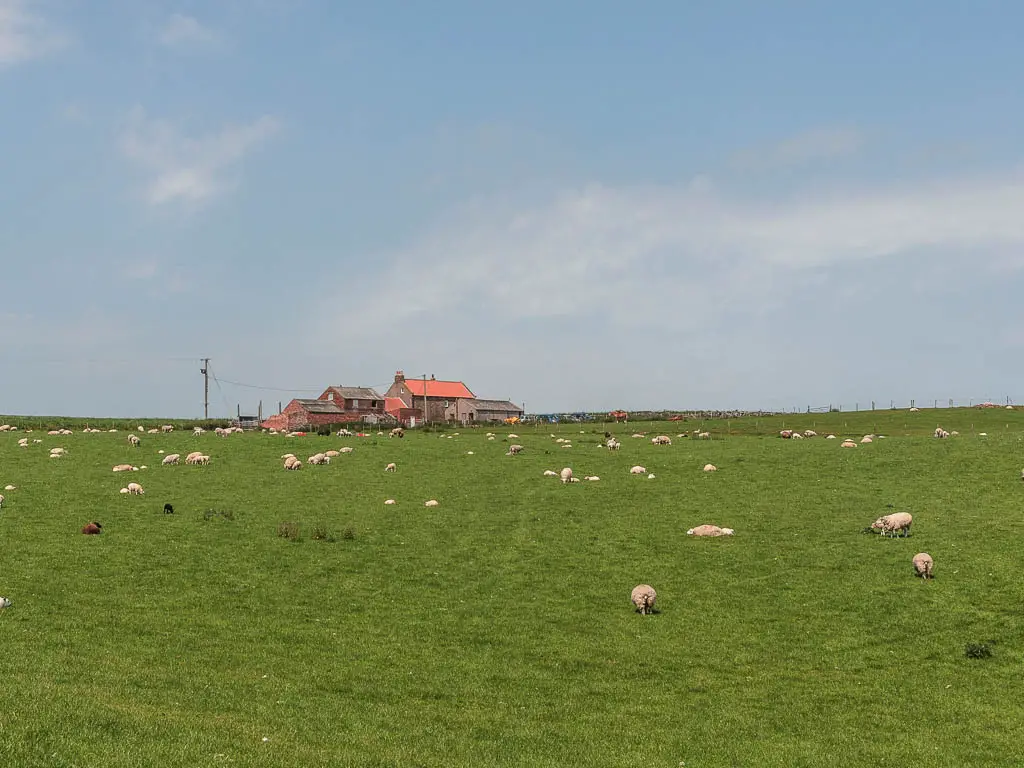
(437, 400)
(336, 405)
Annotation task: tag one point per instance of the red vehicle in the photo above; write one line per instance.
(619, 415)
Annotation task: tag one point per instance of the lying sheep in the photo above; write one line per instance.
(786, 434)
(552, 473)
(643, 597)
(638, 470)
(91, 529)
(346, 449)
(123, 468)
(848, 444)
(389, 502)
(709, 530)
(431, 503)
(592, 478)
(171, 458)
(810, 433)
(4, 602)
(331, 454)
(891, 525)
(392, 467)
(923, 565)
(661, 440)
(710, 468)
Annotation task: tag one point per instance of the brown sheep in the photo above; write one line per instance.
(92, 528)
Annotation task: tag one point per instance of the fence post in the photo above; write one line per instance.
(872, 405)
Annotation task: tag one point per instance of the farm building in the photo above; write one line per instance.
(482, 411)
(397, 409)
(336, 405)
(438, 400)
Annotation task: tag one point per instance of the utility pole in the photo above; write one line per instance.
(424, 398)
(205, 370)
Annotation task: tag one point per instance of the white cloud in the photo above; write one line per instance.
(819, 144)
(604, 279)
(186, 169)
(24, 35)
(186, 32)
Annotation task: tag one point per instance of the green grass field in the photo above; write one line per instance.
(496, 629)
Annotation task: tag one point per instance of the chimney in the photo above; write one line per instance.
(399, 376)
(432, 377)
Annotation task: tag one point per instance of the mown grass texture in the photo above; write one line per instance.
(496, 629)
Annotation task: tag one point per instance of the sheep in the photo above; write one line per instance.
(283, 456)
(134, 441)
(941, 433)
(914, 410)
(1, 501)
(4, 602)
(923, 565)
(514, 450)
(848, 444)
(171, 458)
(318, 458)
(152, 431)
(202, 461)
(866, 439)
(197, 431)
(168, 509)
(830, 437)
(612, 444)
(797, 436)
(513, 436)
(710, 468)
(709, 530)
(397, 432)
(292, 463)
(135, 489)
(91, 529)
(592, 478)
(123, 490)
(552, 473)
(786, 434)
(167, 428)
(10, 487)
(389, 502)
(637, 435)
(810, 433)
(431, 503)
(191, 458)
(346, 449)
(661, 440)
(392, 467)
(565, 474)
(124, 468)
(58, 451)
(893, 524)
(643, 597)
(637, 470)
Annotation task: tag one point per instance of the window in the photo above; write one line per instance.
(355, 403)
(330, 396)
(445, 403)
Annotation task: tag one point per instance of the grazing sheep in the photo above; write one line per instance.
(710, 468)
(661, 440)
(91, 529)
(643, 597)
(168, 509)
(318, 458)
(891, 525)
(703, 435)
(397, 432)
(167, 428)
(941, 433)
(135, 489)
(612, 444)
(566, 474)
(514, 450)
(709, 530)
(171, 458)
(392, 467)
(200, 460)
(637, 470)
(431, 503)
(292, 463)
(923, 565)
(552, 473)
(134, 440)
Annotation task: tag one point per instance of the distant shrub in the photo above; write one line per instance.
(979, 650)
(288, 531)
(321, 533)
(324, 431)
(227, 514)
(349, 533)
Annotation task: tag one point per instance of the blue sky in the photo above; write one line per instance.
(574, 205)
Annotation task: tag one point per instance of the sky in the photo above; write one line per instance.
(575, 205)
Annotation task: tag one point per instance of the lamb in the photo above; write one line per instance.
(513, 436)
(797, 436)
(197, 431)
(643, 597)
(703, 435)
(1, 501)
(866, 439)
(4, 602)
(710, 468)
(566, 474)
(152, 431)
(141, 428)
(830, 437)
(397, 432)
(200, 460)
(168, 509)
(637, 470)
(514, 450)
(661, 440)
(171, 458)
(134, 440)
(191, 458)
(292, 463)
(612, 444)
(135, 489)
(58, 451)
(552, 473)
(392, 467)
(923, 565)
(389, 502)
(10, 487)
(91, 529)
(941, 433)
(893, 524)
(431, 503)
(319, 458)
(709, 530)
(167, 428)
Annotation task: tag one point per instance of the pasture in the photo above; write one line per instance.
(496, 629)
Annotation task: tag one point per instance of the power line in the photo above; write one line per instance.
(268, 389)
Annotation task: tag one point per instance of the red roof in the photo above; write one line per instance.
(393, 405)
(435, 388)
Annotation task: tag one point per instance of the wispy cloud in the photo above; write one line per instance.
(190, 169)
(24, 34)
(808, 147)
(186, 32)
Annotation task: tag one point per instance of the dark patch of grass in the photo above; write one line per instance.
(979, 650)
(290, 531)
(349, 533)
(225, 514)
(322, 533)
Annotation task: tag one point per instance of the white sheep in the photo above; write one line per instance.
(637, 470)
(346, 449)
(897, 522)
(866, 439)
(197, 431)
(643, 597)
(797, 436)
(431, 503)
(703, 435)
(135, 489)
(389, 502)
(123, 468)
(318, 459)
(171, 458)
(710, 530)
(923, 565)
(566, 474)
(292, 463)
(134, 440)
(592, 478)
(941, 433)
(661, 440)
(810, 433)
(552, 473)
(513, 436)
(10, 487)
(1, 501)
(848, 444)
(612, 444)
(332, 454)
(650, 476)
(514, 450)
(391, 467)
(710, 468)
(830, 437)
